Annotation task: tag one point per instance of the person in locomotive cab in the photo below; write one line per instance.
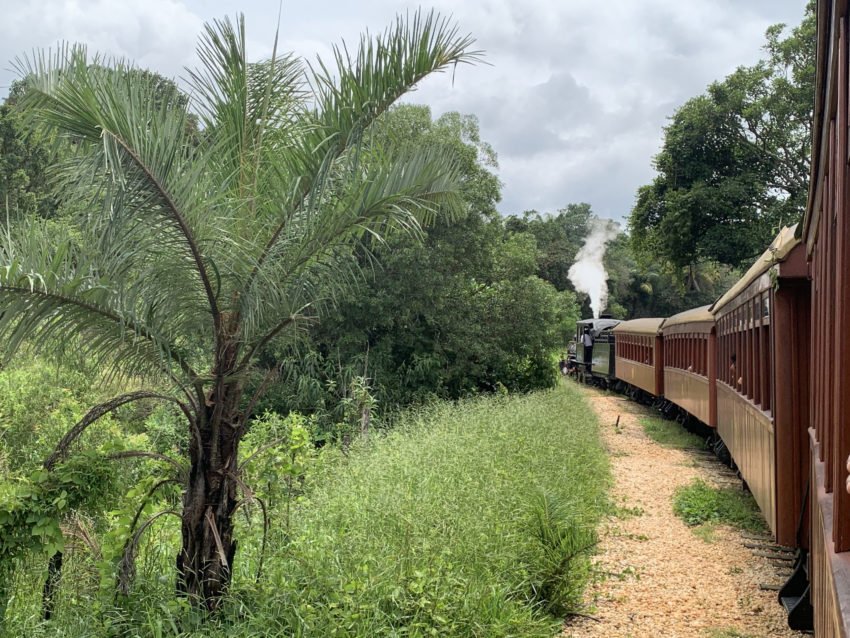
(587, 342)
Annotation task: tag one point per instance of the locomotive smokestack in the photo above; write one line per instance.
(588, 273)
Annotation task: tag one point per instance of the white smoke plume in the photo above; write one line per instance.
(588, 273)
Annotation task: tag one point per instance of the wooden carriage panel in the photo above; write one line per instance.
(640, 354)
(791, 416)
(637, 374)
(827, 238)
(829, 572)
(749, 434)
(658, 364)
(841, 380)
(689, 391)
(711, 378)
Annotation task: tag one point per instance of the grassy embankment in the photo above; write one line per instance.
(469, 519)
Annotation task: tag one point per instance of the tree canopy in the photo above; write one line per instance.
(457, 311)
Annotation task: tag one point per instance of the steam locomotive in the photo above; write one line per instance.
(599, 366)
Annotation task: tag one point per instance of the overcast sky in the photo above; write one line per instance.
(573, 99)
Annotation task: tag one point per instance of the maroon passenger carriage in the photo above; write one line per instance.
(639, 359)
(826, 236)
(690, 364)
(762, 382)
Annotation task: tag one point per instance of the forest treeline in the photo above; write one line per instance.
(210, 289)
(476, 300)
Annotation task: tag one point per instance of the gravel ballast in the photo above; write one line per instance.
(656, 577)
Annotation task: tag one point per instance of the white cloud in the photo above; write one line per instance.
(156, 34)
(573, 98)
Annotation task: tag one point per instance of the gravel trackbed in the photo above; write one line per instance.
(656, 577)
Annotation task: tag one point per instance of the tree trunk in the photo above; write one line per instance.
(205, 561)
(51, 584)
(693, 284)
(204, 564)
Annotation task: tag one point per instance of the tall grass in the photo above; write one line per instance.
(469, 519)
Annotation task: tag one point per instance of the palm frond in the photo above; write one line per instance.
(370, 198)
(137, 142)
(350, 97)
(53, 297)
(97, 412)
(240, 103)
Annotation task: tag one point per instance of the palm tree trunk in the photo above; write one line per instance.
(204, 564)
(206, 557)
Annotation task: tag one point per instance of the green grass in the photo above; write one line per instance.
(707, 532)
(670, 433)
(468, 516)
(469, 519)
(700, 504)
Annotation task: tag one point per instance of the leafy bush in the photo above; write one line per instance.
(38, 404)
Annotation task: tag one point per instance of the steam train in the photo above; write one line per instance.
(738, 372)
(766, 368)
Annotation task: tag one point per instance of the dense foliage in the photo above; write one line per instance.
(460, 309)
(185, 255)
(468, 519)
(24, 157)
(559, 237)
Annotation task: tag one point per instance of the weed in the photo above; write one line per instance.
(700, 503)
(641, 538)
(726, 633)
(670, 433)
(558, 570)
(707, 532)
(623, 512)
(625, 574)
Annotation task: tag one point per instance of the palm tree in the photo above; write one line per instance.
(194, 250)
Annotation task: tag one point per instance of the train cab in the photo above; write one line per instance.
(639, 358)
(600, 362)
(762, 376)
(689, 363)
